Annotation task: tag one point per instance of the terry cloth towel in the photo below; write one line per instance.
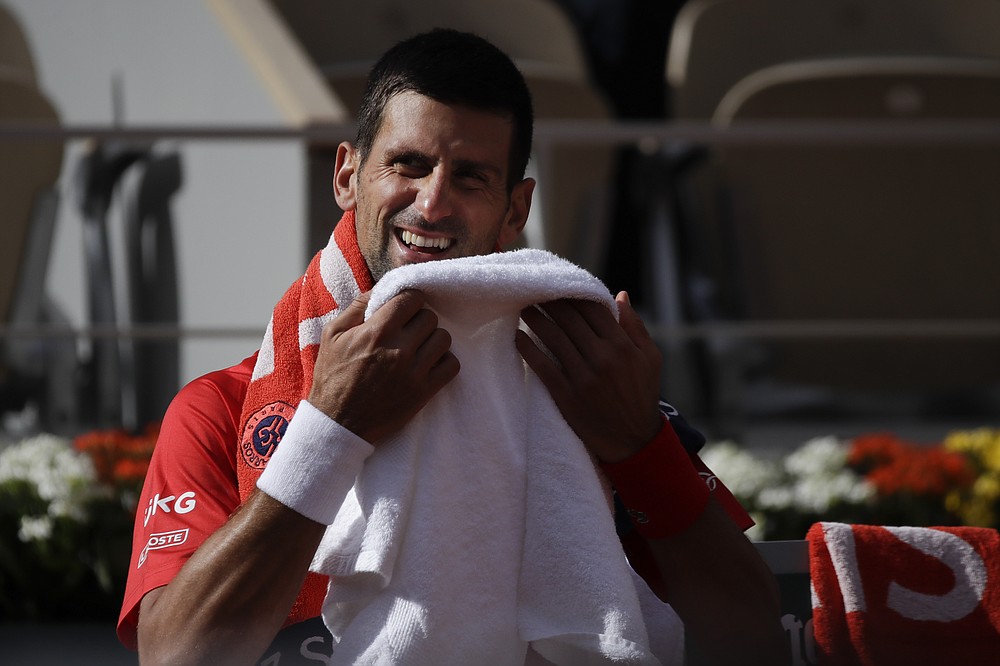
(482, 532)
(905, 595)
(282, 376)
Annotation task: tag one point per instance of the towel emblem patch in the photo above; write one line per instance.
(263, 433)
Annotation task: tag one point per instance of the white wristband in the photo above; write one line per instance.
(315, 465)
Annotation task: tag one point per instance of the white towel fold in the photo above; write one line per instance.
(482, 532)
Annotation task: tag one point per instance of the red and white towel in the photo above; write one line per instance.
(905, 595)
(282, 375)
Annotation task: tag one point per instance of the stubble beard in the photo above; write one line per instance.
(378, 237)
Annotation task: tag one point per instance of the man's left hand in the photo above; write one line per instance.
(606, 377)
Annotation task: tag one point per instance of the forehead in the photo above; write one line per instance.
(411, 121)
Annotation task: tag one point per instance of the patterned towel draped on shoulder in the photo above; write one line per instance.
(283, 374)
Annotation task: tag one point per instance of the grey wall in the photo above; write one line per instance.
(239, 218)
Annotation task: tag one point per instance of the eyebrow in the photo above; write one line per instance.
(408, 155)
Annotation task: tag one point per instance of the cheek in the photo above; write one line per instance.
(370, 230)
(376, 202)
(391, 190)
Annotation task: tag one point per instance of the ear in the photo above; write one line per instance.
(345, 176)
(517, 215)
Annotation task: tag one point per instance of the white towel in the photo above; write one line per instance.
(482, 532)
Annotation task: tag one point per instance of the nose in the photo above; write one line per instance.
(433, 199)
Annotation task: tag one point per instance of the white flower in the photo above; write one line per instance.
(759, 529)
(745, 474)
(35, 528)
(817, 494)
(809, 481)
(776, 498)
(820, 478)
(61, 476)
(822, 455)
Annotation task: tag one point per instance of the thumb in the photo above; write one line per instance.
(630, 320)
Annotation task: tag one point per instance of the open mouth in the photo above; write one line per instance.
(424, 244)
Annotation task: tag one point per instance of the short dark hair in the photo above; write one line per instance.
(450, 67)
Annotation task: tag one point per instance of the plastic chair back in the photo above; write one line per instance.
(851, 231)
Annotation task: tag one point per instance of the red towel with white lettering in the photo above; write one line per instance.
(905, 595)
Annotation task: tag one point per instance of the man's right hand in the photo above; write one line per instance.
(373, 376)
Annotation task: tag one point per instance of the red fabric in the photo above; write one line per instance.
(659, 486)
(649, 479)
(291, 379)
(905, 595)
(271, 400)
(636, 548)
(723, 495)
(190, 457)
(198, 449)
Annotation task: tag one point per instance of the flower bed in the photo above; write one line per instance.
(67, 507)
(66, 515)
(876, 479)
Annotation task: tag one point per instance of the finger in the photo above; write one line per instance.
(400, 308)
(624, 334)
(421, 326)
(431, 350)
(435, 364)
(632, 323)
(551, 374)
(351, 316)
(445, 370)
(598, 317)
(586, 325)
(551, 334)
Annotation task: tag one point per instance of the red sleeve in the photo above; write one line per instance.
(190, 489)
(632, 474)
(652, 481)
(723, 495)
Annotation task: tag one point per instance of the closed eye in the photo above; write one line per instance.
(475, 174)
(471, 178)
(411, 165)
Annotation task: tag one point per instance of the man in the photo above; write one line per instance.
(222, 549)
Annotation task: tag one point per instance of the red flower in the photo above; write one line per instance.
(868, 451)
(130, 471)
(894, 466)
(119, 458)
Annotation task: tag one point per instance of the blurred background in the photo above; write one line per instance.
(800, 195)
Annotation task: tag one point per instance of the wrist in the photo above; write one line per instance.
(660, 486)
(315, 465)
(619, 446)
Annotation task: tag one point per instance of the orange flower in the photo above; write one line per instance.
(869, 451)
(119, 458)
(919, 470)
(130, 471)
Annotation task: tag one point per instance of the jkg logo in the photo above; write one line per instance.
(185, 503)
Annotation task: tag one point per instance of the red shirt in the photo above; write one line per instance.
(190, 489)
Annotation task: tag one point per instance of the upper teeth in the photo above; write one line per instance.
(411, 238)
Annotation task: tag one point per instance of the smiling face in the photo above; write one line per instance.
(433, 186)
